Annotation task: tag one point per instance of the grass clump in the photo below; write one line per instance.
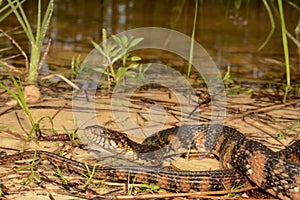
(284, 34)
(90, 174)
(18, 96)
(31, 166)
(36, 41)
(20, 99)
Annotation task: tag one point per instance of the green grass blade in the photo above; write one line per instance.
(19, 96)
(294, 5)
(22, 19)
(192, 41)
(285, 49)
(11, 93)
(34, 128)
(42, 27)
(8, 12)
(64, 181)
(41, 30)
(272, 25)
(28, 28)
(51, 122)
(38, 24)
(47, 18)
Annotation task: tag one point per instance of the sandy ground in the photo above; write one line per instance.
(263, 119)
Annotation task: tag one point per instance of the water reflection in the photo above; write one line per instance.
(230, 32)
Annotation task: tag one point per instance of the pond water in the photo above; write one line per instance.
(231, 31)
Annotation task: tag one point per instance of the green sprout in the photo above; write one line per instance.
(150, 188)
(114, 51)
(31, 166)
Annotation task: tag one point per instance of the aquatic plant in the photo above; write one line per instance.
(193, 40)
(285, 50)
(284, 34)
(271, 18)
(114, 51)
(75, 66)
(36, 41)
(6, 11)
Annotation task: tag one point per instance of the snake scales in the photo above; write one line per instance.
(276, 173)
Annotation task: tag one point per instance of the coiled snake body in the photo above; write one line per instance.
(278, 173)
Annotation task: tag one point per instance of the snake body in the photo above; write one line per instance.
(277, 173)
(168, 179)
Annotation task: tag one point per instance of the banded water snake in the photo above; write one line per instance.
(277, 173)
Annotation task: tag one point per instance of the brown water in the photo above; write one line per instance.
(231, 34)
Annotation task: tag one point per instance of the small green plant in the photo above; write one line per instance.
(150, 188)
(281, 135)
(72, 135)
(31, 166)
(19, 97)
(115, 51)
(37, 40)
(227, 80)
(140, 75)
(229, 83)
(294, 127)
(36, 127)
(232, 88)
(232, 195)
(75, 66)
(90, 174)
(64, 181)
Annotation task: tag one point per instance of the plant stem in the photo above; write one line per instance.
(286, 50)
(33, 66)
(37, 40)
(192, 41)
(272, 25)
